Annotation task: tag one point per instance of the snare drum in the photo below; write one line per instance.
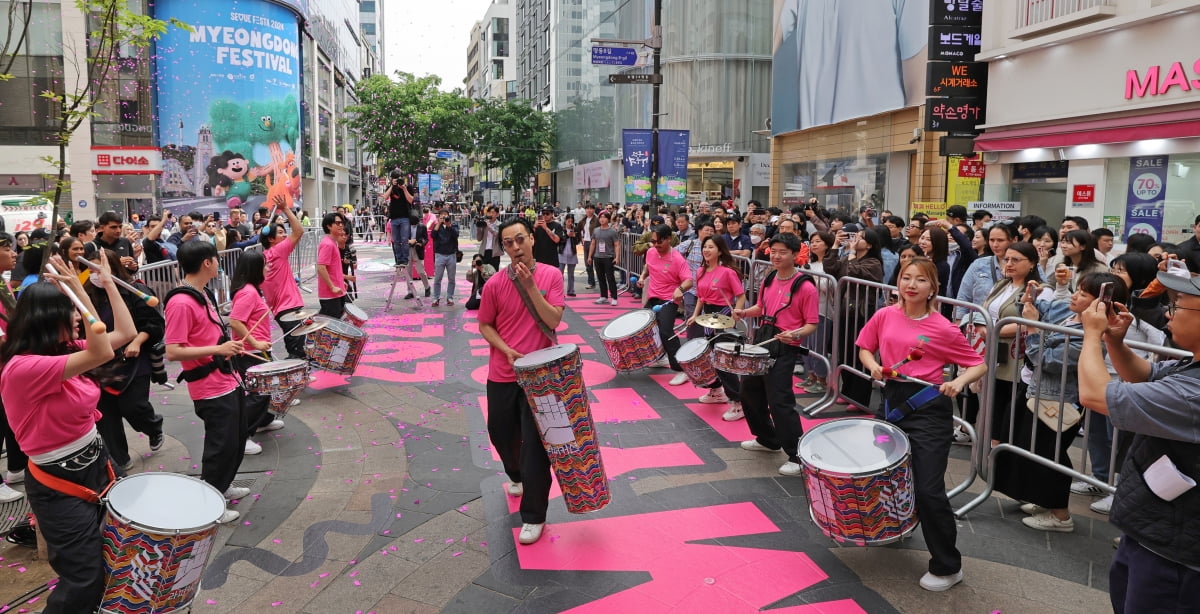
(158, 531)
(337, 347)
(354, 315)
(281, 379)
(553, 382)
(740, 359)
(695, 358)
(632, 341)
(859, 479)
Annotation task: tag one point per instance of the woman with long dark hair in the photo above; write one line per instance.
(51, 405)
(862, 262)
(718, 290)
(1137, 270)
(935, 245)
(820, 342)
(247, 322)
(1045, 240)
(1078, 249)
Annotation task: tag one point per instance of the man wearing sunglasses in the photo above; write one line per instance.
(666, 277)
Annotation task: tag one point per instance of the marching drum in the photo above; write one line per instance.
(738, 359)
(553, 382)
(354, 315)
(631, 340)
(158, 532)
(281, 379)
(695, 358)
(337, 347)
(859, 480)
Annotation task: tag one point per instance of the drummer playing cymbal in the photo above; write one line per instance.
(518, 306)
(666, 277)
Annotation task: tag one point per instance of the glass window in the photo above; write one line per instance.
(325, 84)
(1179, 201)
(839, 183)
(325, 138)
(367, 6)
(497, 69)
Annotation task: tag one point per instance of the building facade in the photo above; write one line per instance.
(491, 74)
(1094, 110)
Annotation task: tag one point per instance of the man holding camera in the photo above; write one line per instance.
(488, 234)
(400, 202)
(547, 234)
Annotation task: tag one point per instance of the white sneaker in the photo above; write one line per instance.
(600, 301)
(236, 492)
(274, 425)
(661, 363)
(295, 402)
(613, 302)
(679, 379)
(715, 395)
(1033, 509)
(753, 446)
(1102, 506)
(14, 477)
(938, 584)
(516, 489)
(790, 468)
(961, 437)
(734, 413)
(228, 516)
(8, 495)
(1047, 521)
(530, 533)
(1080, 487)
(252, 448)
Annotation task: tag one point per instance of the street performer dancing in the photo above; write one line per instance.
(51, 405)
(668, 278)
(519, 308)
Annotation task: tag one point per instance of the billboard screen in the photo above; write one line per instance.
(228, 103)
(836, 60)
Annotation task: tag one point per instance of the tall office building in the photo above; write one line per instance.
(492, 74)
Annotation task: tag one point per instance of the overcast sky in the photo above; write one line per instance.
(430, 37)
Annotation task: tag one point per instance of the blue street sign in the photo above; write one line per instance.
(445, 154)
(614, 56)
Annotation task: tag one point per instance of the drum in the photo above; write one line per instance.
(337, 347)
(553, 382)
(695, 358)
(739, 359)
(632, 341)
(859, 479)
(282, 379)
(354, 315)
(158, 531)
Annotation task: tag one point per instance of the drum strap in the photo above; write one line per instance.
(71, 489)
(546, 330)
(902, 411)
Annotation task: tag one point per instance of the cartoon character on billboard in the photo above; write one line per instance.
(262, 131)
(227, 174)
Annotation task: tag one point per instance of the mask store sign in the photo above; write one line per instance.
(1160, 80)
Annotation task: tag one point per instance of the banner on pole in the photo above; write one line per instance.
(673, 166)
(636, 146)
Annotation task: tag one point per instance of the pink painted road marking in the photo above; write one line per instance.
(685, 392)
(711, 413)
(684, 576)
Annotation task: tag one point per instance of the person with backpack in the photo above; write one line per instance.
(788, 307)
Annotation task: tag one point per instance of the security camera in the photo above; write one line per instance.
(917, 132)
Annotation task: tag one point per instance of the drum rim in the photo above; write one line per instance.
(351, 307)
(574, 349)
(145, 528)
(649, 313)
(728, 348)
(697, 342)
(260, 369)
(891, 466)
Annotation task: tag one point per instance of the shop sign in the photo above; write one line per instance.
(1001, 210)
(126, 161)
(1158, 82)
(972, 167)
(957, 79)
(1083, 196)
(935, 210)
(1050, 169)
(592, 175)
(1146, 197)
(959, 115)
(954, 42)
(956, 12)
(964, 180)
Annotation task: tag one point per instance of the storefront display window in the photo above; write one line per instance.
(1158, 195)
(710, 181)
(841, 185)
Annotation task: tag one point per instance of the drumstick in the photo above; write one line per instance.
(260, 319)
(762, 343)
(150, 299)
(98, 327)
(254, 355)
(679, 330)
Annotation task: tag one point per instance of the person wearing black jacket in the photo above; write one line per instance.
(108, 236)
(418, 237)
(547, 237)
(400, 202)
(445, 256)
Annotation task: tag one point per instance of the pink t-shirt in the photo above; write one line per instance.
(803, 309)
(329, 255)
(501, 307)
(891, 333)
(666, 273)
(45, 411)
(248, 308)
(710, 285)
(189, 326)
(279, 285)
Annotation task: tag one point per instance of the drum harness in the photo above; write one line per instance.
(224, 365)
(528, 302)
(76, 462)
(767, 328)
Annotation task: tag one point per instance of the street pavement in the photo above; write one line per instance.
(382, 494)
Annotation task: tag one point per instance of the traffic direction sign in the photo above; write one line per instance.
(443, 154)
(614, 56)
(642, 78)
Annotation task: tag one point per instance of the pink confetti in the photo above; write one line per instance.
(276, 604)
(418, 540)
(456, 554)
(357, 583)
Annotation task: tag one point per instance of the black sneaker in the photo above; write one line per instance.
(426, 292)
(156, 442)
(408, 296)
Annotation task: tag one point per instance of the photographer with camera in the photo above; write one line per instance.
(480, 272)
(487, 232)
(400, 202)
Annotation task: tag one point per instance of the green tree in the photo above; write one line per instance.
(400, 121)
(513, 136)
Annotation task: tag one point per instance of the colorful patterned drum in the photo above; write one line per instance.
(859, 480)
(282, 379)
(695, 358)
(158, 532)
(337, 347)
(631, 340)
(354, 314)
(553, 382)
(739, 359)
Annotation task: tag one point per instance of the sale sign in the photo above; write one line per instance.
(1147, 196)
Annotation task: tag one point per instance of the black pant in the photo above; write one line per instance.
(492, 258)
(606, 277)
(224, 438)
(256, 405)
(930, 433)
(514, 434)
(333, 307)
(294, 345)
(133, 405)
(71, 529)
(770, 405)
(730, 382)
(591, 269)
(16, 458)
(1141, 581)
(666, 328)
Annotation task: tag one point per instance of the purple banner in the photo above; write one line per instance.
(673, 166)
(1147, 195)
(636, 145)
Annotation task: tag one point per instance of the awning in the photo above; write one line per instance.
(1171, 125)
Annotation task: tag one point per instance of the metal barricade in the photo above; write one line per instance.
(985, 458)
(631, 263)
(371, 228)
(161, 277)
(304, 257)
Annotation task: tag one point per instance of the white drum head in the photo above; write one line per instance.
(276, 366)
(627, 324)
(341, 327)
(545, 355)
(853, 446)
(166, 501)
(355, 311)
(746, 350)
(691, 350)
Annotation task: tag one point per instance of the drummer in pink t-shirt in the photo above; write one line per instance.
(666, 277)
(279, 286)
(719, 290)
(331, 281)
(248, 320)
(512, 332)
